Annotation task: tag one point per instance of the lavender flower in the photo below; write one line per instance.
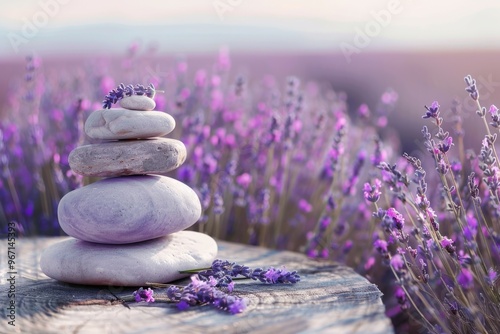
(447, 244)
(123, 91)
(273, 276)
(471, 87)
(372, 192)
(304, 206)
(396, 217)
(495, 117)
(206, 285)
(381, 247)
(465, 278)
(144, 295)
(432, 111)
(401, 298)
(492, 276)
(224, 271)
(397, 262)
(244, 180)
(200, 292)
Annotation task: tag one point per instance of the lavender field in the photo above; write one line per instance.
(292, 162)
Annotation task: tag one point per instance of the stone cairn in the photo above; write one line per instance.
(127, 228)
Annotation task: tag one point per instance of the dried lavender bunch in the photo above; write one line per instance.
(201, 292)
(214, 285)
(224, 272)
(123, 91)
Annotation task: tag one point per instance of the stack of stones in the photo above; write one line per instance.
(127, 228)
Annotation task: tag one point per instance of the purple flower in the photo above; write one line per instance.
(495, 117)
(446, 144)
(237, 306)
(347, 246)
(186, 174)
(218, 204)
(144, 295)
(471, 87)
(492, 276)
(397, 262)
(349, 186)
(432, 111)
(231, 304)
(312, 253)
(224, 270)
(364, 111)
(412, 251)
(324, 223)
(447, 244)
(397, 218)
(470, 230)
(201, 291)
(380, 246)
(209, 164)
(244, 180)
(305, 206)
(123, 91)
(200, 78)
(205, 196)
(182, 305)
(272, 275)
(372, 193)
(401, 298)
(369, 263)
(493, 110)
(465, 278)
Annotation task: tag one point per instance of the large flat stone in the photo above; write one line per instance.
(131, 157)
(117, 123)
(158, 260)
(128, 209)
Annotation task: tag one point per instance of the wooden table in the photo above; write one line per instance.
(330, 298)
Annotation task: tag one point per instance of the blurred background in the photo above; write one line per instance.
(422, 49)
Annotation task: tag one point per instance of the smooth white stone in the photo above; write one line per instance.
(115, 124)
(128, 209)
(137, 102)
(130, 157)
(158, 260)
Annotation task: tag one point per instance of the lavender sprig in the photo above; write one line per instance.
(144, 295)
(224, 271)
(123, 91)
(200, 292)
(214, 285)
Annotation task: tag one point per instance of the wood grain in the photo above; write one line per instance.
(329, 299)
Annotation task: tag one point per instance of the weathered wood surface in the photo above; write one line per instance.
(329, 299)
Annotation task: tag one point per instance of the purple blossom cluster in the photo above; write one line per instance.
(225, 271)
(123, 91)
(144, 295)
(200, 292)
(214, 285)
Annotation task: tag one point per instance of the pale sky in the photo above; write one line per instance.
(250, 24)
